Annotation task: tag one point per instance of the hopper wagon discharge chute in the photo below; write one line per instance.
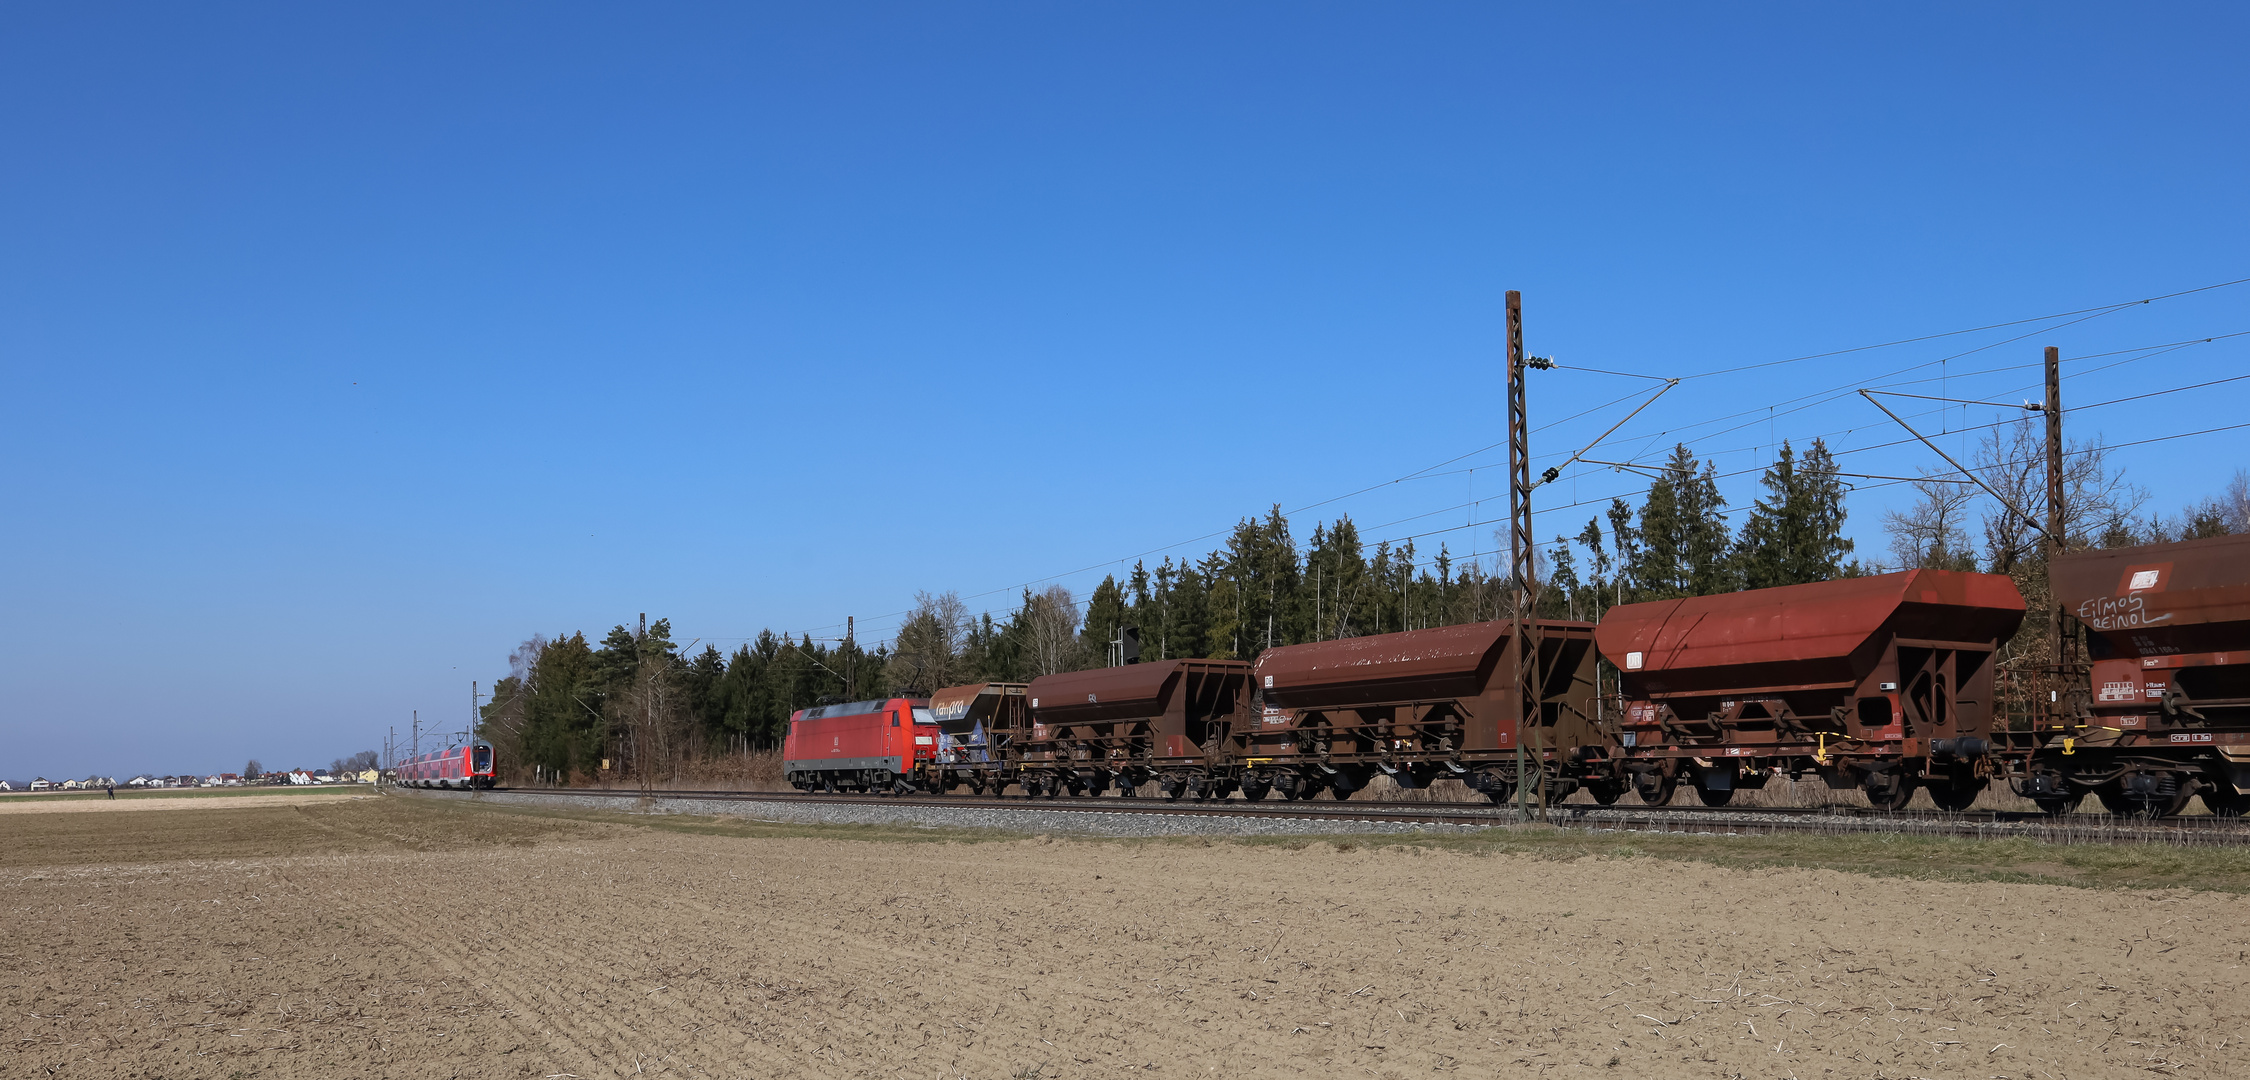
(1173, 722)
(2161, 711)
(1884, 683)
(1424, 705)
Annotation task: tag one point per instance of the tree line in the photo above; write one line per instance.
(638, 703)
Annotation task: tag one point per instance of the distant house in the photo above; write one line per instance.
(6, 786)
(228, 779)
(42, 784)
(72, 785)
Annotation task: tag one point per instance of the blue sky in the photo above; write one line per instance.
(342, 350)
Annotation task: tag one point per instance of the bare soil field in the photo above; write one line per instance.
(97, 804)
(416, 938)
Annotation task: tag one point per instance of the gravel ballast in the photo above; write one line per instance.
(1029, 819)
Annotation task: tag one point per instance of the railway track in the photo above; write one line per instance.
(2197, 830)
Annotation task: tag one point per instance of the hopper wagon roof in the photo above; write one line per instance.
(1125, 692)
(965, 705)
(1413, 665)
(2189, 596)
(1824, 634)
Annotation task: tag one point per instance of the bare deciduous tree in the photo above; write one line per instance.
(1054, 632)
(926, 653)
(1929, 534)
(2012, 460)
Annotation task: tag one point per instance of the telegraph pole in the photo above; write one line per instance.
(1523, 634)
(850, 669)
(2066, 656)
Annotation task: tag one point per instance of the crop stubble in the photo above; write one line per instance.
(387, 937)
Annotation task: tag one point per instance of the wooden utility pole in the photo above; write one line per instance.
(1523, 640)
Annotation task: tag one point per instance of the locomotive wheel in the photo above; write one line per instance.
(1714, 798)
(1657, 790)
(1955, 796)
(2058, 805)
(1892, 796)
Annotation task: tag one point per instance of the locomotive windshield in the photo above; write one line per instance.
(481, 758)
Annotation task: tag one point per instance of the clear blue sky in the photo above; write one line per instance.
(342, 350)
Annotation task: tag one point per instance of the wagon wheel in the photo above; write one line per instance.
(2223, 802)
(2058, 805)
(1714, 798)
(1891, 796)
(1253, 791)
(2114, 800)
(1655, 789)
(1955, 796)
(1605, 792)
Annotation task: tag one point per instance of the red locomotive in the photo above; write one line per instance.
(456, 767)
(860, 745)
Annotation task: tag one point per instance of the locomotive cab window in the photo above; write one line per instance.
(894, 717)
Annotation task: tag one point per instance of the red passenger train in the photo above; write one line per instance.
(459, 767)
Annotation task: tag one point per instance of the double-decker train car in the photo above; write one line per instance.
(456, 767)
(1884, 683)
(2160, 713)
(880, 745)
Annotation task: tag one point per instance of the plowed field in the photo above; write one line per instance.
(405, 938)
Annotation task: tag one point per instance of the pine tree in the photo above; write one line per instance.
(1105, 616)
(1794, 534)
(1683, 536)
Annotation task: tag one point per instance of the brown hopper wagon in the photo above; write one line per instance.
(1424, 705)
(982, 728)
(2161, 712)
(1882, 682)
(1172, 722)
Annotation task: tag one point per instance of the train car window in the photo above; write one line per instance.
(894, 717)
(923, 716)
